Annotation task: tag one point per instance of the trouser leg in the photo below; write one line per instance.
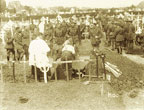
(8, 54)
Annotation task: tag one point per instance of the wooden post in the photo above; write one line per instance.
(103, 60)
(45, 75)
(55, 74)
(35, 70)
(67, 72)
(1, 71)
(35, 73)
(79, 75)
(89, 70)
(13, 70)
(25, 69)
(97, 65)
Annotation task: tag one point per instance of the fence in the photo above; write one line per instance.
(44, 70)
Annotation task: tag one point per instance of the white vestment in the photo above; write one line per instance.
(38, 50)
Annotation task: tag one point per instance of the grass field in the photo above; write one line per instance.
(60, 95)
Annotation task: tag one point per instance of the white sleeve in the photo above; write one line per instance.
(30, 47)
(64, 48)
(73, 51)
(46, 47)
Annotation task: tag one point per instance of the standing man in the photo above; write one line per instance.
(18, 45)
(119, 38)
(130, 36)
(73, 32)
(25, 40)
(9, 45)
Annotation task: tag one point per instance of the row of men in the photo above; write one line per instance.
(120, 34)
(54, 35)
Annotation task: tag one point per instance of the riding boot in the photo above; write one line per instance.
(121, 51)
(8, 58)
(118, 50)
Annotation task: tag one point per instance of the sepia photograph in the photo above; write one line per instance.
(71, 54)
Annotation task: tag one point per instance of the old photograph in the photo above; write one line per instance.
(71, 54)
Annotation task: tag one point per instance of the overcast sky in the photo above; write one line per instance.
(80, 3)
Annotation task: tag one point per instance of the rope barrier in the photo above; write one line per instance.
(58, 62)
(55, 62)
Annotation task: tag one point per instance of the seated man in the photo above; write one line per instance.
(68, 53)
(38, 50)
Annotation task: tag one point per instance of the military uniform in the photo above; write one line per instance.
(141, 40)
(73, 33)
(119, 38)
(59, 35)
(9, 45)
(81, 28)
(112, 37)
(48, 32)
(64, 27)
(25, 41)
(59, 39)
(130, 34)
(109, 30)
(18, 45)
(95, 36)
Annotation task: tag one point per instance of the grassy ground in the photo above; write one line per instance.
(132, 73)
(60, 95)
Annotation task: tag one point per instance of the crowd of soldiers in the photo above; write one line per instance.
(55, 34)
(119, 34)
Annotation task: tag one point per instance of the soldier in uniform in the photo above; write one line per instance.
(142, 41)
(48, 32)
(109, 30)
(9, 45)
(81, 27)
(25, 40)
(130, 34)
(112, 37)
(118, 33)
(18, 45)
(73, 32)
(64, 26)
(32, 29)
(94, 36)
(59, 35)
(32, 26)
(59, 39)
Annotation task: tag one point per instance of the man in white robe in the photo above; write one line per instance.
(38, 50)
